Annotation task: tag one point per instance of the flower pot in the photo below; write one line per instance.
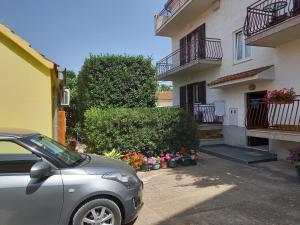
(298, 173)
(156, 166)
(172, 164)
(150, 166)
(164, 165)
(193, 162)
(186, 161)
(144, 168)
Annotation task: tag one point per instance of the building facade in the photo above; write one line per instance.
(164, 99)
(31, 88)
(234, 52)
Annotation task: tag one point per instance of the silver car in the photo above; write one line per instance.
(44, 183)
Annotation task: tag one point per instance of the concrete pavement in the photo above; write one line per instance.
(221, 192)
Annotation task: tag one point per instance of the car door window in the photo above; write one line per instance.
(15, 158)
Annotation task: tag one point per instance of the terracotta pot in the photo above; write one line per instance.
(164, 165)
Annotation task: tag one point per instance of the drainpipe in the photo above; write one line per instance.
(60, 79)
(55, 125)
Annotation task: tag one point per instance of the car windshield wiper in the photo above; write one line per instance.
(84, 156)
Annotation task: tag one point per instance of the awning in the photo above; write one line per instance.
(262, 73)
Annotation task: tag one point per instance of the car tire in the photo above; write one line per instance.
(110, 205)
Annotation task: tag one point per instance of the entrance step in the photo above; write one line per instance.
(239, 154)
(208, 142)
(214, 126)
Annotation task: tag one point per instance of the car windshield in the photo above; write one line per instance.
(57, 150)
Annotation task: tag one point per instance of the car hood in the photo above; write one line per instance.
(100, 165)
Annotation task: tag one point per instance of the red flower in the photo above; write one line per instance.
(182, 150)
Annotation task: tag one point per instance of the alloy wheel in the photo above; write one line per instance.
(99, 216)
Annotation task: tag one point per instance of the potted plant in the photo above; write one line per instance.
(282, 96)
(194, 157)
(156, 165)
(134, 159)
(145, 166)
(113, 154)
(164, 163)
(152, 163)
(172, 163)
(186, 159)
(295, 159)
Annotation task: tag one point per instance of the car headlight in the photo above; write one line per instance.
(128, 180)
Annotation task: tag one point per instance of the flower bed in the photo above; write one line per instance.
(152, 161)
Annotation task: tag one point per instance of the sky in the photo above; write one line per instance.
(68, 31)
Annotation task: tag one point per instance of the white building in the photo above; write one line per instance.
(211, 63)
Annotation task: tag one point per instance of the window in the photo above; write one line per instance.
(15, 159)
(58, 151)
(242, 51)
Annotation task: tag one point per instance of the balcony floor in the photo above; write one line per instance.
(293, 136)
(278, 34)
(192, 67)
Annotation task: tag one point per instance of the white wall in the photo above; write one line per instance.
(222, 24)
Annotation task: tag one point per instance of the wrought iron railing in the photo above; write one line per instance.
(202, 113)
(170, 9)
(211, 50)
(262, 114)
(264, 14)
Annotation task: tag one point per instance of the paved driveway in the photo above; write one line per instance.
(221, 192)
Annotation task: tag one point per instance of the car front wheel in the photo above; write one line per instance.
(98, 212)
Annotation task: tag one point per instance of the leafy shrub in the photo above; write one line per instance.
(110, 81)
(113, 154)
(139, 129)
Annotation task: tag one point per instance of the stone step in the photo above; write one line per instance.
(210, 127)
(208, 142)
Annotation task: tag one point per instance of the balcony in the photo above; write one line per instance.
(270, 23)
(177, 13)
(280, 121)
(190, 59)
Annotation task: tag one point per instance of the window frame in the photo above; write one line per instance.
(244, 46)
(23, 146)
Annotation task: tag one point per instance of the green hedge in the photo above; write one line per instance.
(138, 128)
(113, 81)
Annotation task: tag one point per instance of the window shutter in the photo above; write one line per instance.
(183, 44)
(190, 98)
(201, 36)
(202, 92)
(183, 97)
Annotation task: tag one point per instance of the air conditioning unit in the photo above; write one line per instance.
(65, 99)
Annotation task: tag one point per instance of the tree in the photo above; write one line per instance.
(165, 87)
(109, 81)
(72, 110)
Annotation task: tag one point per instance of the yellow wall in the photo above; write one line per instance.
(25, 90)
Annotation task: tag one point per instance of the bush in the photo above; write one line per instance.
(138, 129)
(110, 81)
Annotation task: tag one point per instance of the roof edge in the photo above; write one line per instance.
(11, 35)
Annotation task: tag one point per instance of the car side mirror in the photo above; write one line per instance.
(40, 170)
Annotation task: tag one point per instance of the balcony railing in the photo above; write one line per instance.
(264, 14)
(277, 116)
(170, 9)
(211, 50)
(202, 113)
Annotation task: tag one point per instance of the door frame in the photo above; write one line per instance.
(256, 141)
